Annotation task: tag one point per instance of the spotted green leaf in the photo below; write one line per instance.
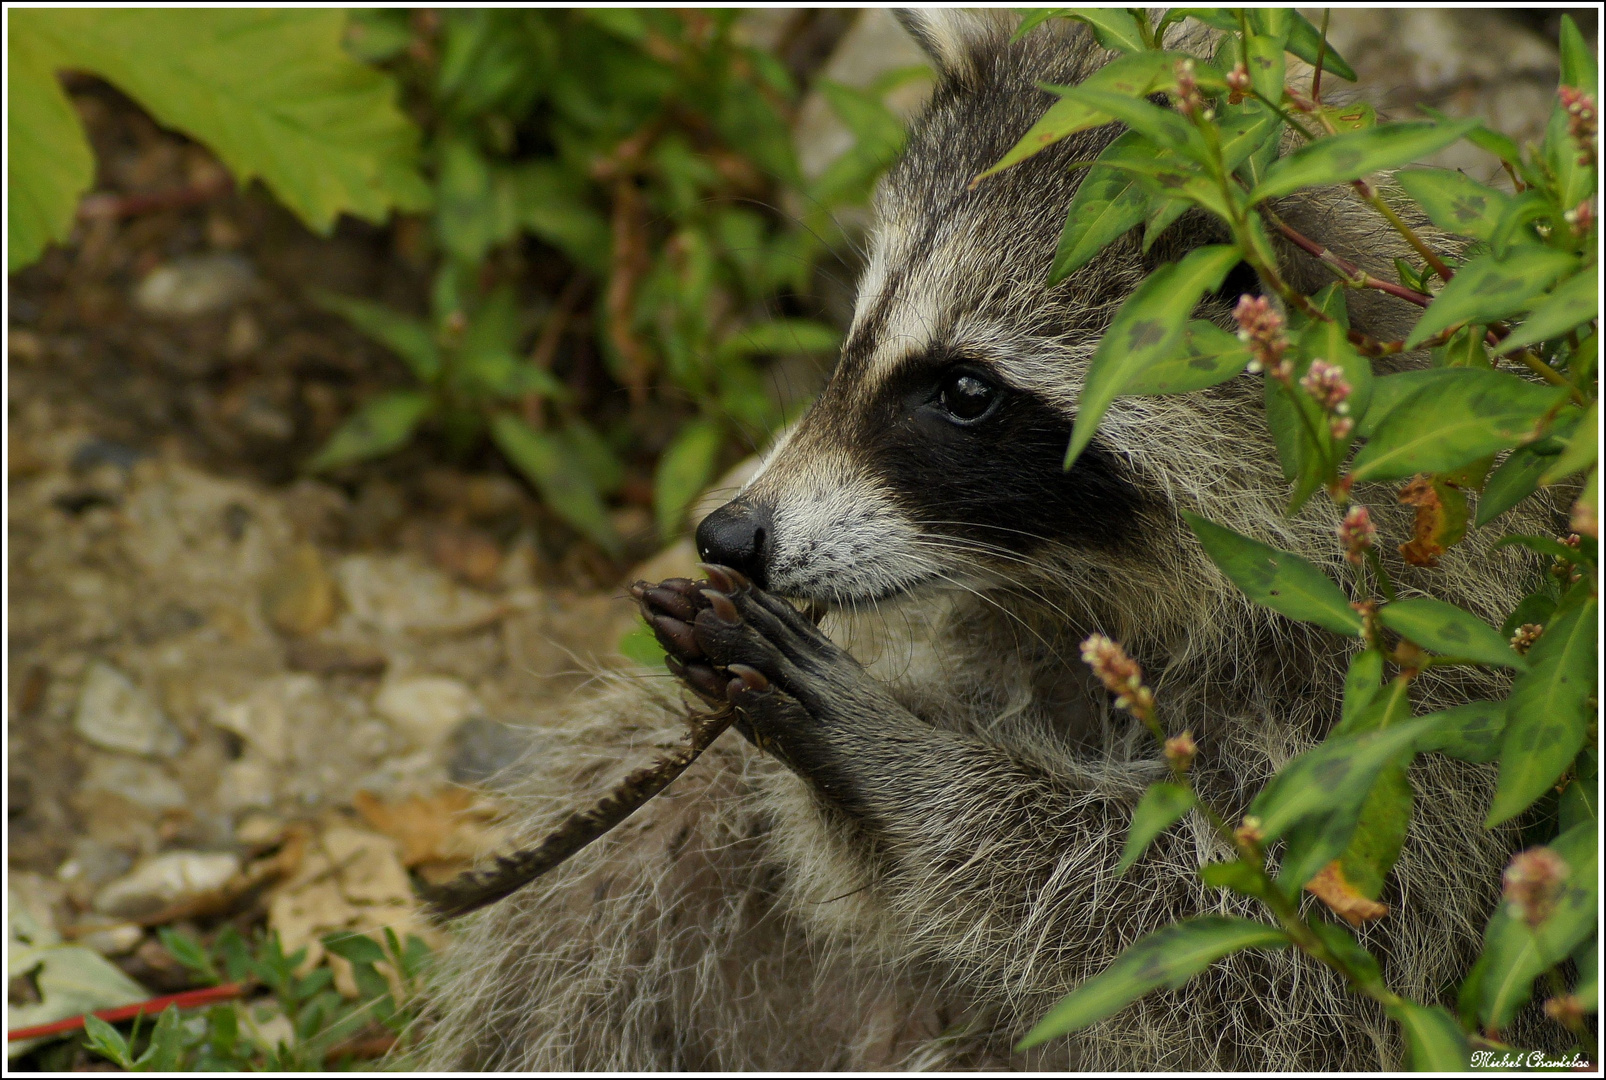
(1488, 288)
(1148, 329)
(1549, 719)
(1115, 28)
(1266, 64)
(1107, 204)
(1159, 809)
(1278, 579)
(1460, 416)
(1351, 156)
(1449, 631)
(1210, 355)
(1469, 732)
(1454, 201)
(1168, 957)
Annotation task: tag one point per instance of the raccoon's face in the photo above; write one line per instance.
(934, 456)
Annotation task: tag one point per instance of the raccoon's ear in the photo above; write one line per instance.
(959, 40)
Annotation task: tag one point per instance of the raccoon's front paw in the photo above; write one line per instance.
(729, 641)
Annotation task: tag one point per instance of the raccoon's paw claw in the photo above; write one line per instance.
(721, 606)
(724, 578)
(746, 679)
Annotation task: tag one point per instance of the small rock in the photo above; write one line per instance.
(109, 937)
(89, 865)
(335, 658)
(396, 594)
(244, 336)
(194, 286)
(249, 782)
(143, 783)
(480, 748)
(268, 718)
(116, 714)
(425, 708)
(164, 880)
(259, 830)
(467, 554)
(299, 597)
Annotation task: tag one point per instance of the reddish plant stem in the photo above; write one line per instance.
(189, 999)
(105, 205)
(1348, 270)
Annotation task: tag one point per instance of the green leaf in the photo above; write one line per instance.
(1033, 19)
(1434, 1042)
(1146, 330)
(407, 337)
(1168, 957)
(1514, 229)
(1347, 949)
(1138, 74)
(1577, 61)
(1210, 355)
(1245, 128)
(1454, 201)
(1162, 212)
(781, 336)
(1115, 28)
(564, 483)
(1352, 117)
(357, 948)
(1536, 607)
(1389, 391)
(1380, 828)
(1515, 954)
(1544, 545)
(1587, 989)
(554, 204)
(189, 952)
(105, 1040)
(1335, 776)
(1107, 204)
(1159, 809)
(684, 470)
(1549, 719)
(383, 424)
(272, 92)
(1580, 799)
(1580, 451)
(580, 440)
(1361, 683)
(641, 645)
(1469, 732)
(1574, 301)
(1349, 157)
(1515, 479)
(1237, 876)
(1304, 41)
(1162, 126)
(1280, 580)
(1449, 631)
(1488, 288)
(1266, 64)
(1459, 417)
(50, 164)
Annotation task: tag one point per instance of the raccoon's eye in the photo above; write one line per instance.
(967, 397)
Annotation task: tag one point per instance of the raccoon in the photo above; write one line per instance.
(913, 854)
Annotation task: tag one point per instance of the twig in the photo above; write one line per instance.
(1351, 273)
(1371, 198)
(476, 888)
(1321, 58)
(189, 999)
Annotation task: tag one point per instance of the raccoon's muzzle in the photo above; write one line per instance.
(738, 535)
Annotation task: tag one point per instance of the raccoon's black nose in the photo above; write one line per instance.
(737, 535)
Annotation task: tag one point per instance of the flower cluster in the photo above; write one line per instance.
(1526, 635)
(1357, 533)
(1582, 217)
(1533, 881)
(1326, 383)
(1188, 99)
(1250, 832)
(1581, 121)
(1119, 673)
(1584, 520)
(1238, 84)
(1261, 328)
(1180, 750)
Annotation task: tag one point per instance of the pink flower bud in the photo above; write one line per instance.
(1119, 673)
(1181, 749)
(1581, 120)
(1533, 881)
(1526, 635)
(1326, 383)
(1357, 533)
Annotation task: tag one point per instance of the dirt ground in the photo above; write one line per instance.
(240, 692)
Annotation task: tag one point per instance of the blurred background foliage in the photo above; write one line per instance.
(628, 265)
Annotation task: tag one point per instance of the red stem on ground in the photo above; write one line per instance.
(189, 999)
(105, 205)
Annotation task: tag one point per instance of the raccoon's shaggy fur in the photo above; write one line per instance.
(742, 920)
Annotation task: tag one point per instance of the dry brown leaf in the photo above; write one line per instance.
(437, 833)
(1333, 889)
(1441, 519)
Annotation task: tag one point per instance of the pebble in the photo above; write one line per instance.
(396, 594)
(246, 784)
(143, 783)
(109, 937)
(425, 708)
(193, 286)
(272, 714)
(299, 598)
(116, 714)
(164, 880)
